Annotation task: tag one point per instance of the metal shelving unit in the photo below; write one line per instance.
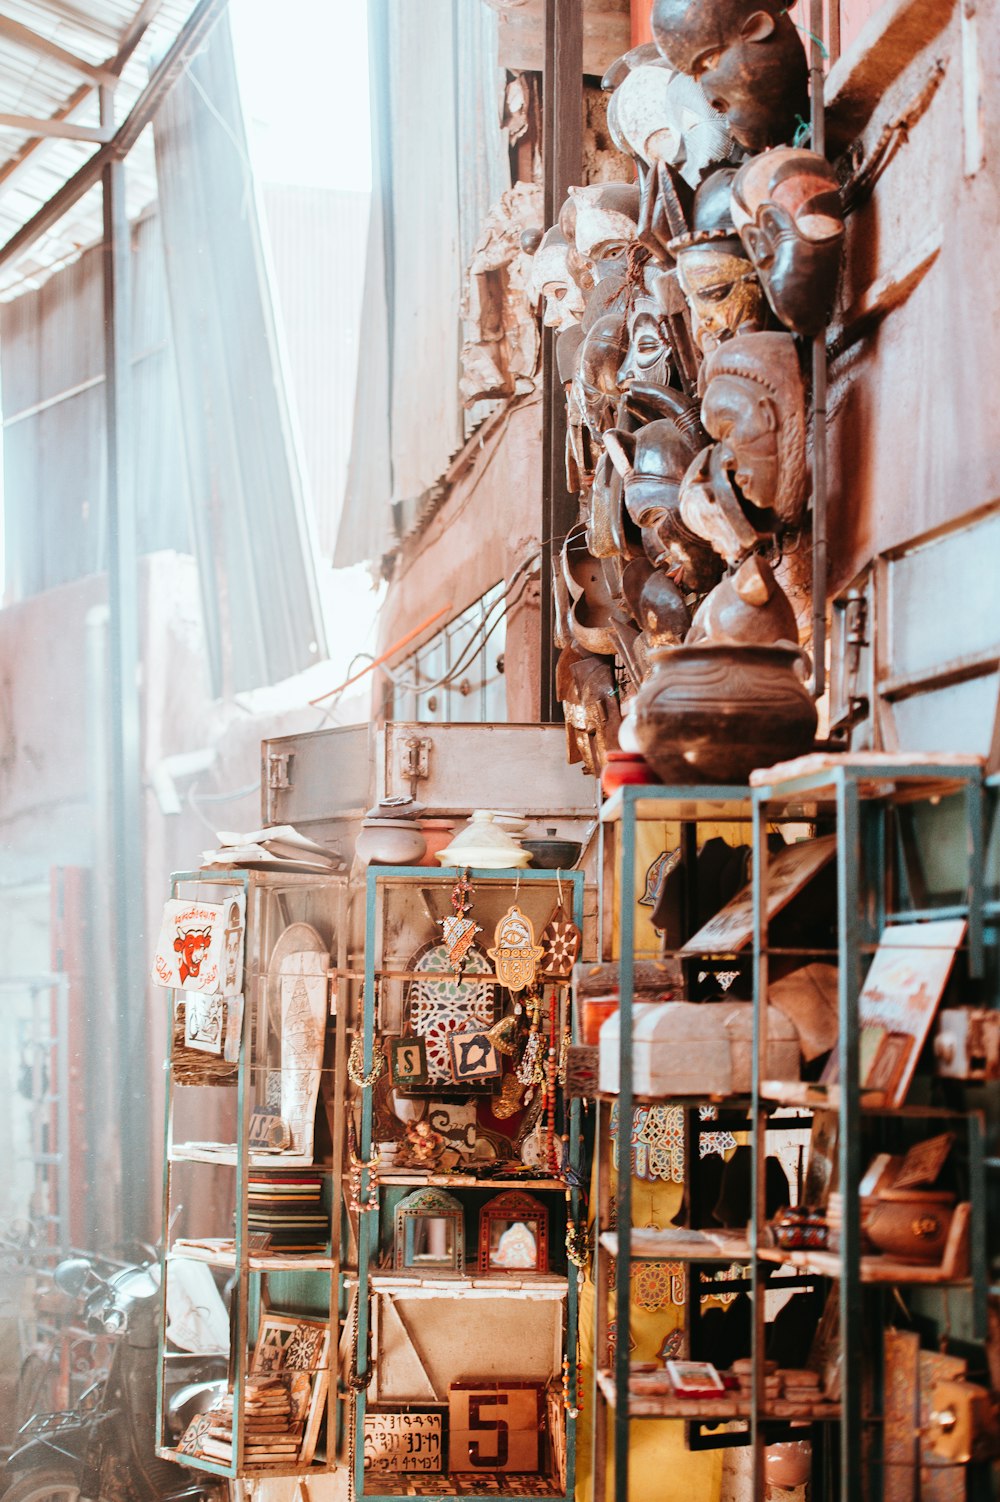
(550, 1285)
(260, 1281)
(858, 794)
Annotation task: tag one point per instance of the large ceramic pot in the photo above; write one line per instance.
(911, 1229)
(714, 711)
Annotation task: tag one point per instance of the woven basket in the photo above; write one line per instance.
(192, 1067)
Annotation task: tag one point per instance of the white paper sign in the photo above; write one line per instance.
(201, 946)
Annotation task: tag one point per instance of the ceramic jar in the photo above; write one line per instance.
(714, 711)
(911, 1228)
(437, 833)
(484, 844)
(625, 768)
(390, 842)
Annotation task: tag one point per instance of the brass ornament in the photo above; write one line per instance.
(515, 953)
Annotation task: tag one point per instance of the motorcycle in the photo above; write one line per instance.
(105, 1448)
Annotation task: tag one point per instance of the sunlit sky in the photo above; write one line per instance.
(303, 70)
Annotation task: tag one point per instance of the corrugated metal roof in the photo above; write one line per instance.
(38, 85)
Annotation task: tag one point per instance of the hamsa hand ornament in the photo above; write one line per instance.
(515, 953)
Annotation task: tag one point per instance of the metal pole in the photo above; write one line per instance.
(562, 150)
(126, 749)
(849, 1128)
(819, 572)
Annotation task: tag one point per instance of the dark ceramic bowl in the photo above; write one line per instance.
(553, 855)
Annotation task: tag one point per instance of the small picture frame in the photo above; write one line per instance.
(429, 1233)
(513, 1234)
(474, 1057)
(695, 1379)
(408, 1061)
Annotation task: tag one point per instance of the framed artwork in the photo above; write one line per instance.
(429, 1233)
(474, 1057)
(405, 1440)
(793, 868)
(496, 1426)
(200, 947)
(438, 1004)
(513, 1234)
(408, 1061)
(897, 1003)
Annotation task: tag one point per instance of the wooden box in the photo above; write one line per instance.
(689, 1048)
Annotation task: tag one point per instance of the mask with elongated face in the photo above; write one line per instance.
(714, 272)
(649, 355)
(748, 59)
(601, 220)
(652, 463)
(754, 404)
(553, 282)
(786, 206)
(597, 376)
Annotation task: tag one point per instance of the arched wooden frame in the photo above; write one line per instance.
(505, 1211)
(429, 1233)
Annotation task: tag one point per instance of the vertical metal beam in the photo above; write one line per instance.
(758, 1204)
(562, 152)
(126, 787)
(623, 1266)
(819, 522)
(849, 1132)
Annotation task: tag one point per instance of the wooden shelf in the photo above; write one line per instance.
(731, 1406)
(671, 804)
(380, 1485)
(812, 1096)
(952, 1269)
(257, 1262)
(183, 1152)
(392, 1180)
(482, 1285)
(718, 1246)
(217, 1468)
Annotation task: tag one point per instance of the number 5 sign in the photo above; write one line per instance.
(495, 1426)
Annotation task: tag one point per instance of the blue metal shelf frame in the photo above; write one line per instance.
(700, 804)
(368, 1222)
(855, 928)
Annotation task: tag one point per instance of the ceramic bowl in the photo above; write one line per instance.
(390, 842)
(553, 854)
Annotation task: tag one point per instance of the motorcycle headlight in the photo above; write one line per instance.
(114, 1320)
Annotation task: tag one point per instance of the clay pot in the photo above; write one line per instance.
(913, 1229)
(437, 833)
(713, 712)
(625, 768)
(390, 842)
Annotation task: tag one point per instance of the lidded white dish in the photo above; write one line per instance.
(483, 843)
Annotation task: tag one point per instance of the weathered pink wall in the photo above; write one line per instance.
(915, 430)
(485, 529)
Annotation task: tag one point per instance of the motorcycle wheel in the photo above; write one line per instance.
(43, 1486)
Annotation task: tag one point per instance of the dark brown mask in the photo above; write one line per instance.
(754, 404)
(748, 58)
(787, 207)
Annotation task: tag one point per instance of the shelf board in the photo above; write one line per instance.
(263, 1263)
(183, 1152)
(952, 1269)
(648, 1244)
(219, 1468)
(392, 1180)
(730, 1406)
(382, 1485)
(483, 1285)
(811, 1096)
(924, 774)
(686, 804)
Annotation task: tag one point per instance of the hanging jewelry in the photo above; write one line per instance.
(356, 1063)
(459, 930)
(515, 953)
(508, 1102)
(360, 1199)
(530, 1071)
(572, 1411)
(551, 1069)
